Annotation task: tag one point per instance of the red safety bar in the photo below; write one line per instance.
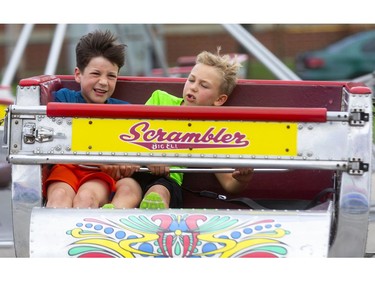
(55, 109)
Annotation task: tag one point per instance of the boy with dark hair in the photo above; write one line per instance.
(99, 59)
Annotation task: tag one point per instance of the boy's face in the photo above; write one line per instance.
(203, 87)
(98, 80)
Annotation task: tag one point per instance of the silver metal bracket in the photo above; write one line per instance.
(41, 134)
(358, 117)
(357, 167)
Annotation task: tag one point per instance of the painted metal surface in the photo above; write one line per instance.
(181, 233)
(340, 145)
(37, 138)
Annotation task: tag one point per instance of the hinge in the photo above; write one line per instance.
(358, 117)
(41, 134)
(357, 166)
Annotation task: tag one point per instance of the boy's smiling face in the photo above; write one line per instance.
(202, 88)
(98, 80)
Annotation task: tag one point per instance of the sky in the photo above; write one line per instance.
(192, 11)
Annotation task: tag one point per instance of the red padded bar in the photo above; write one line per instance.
(358, 88)
(55, 109)
(36, 80)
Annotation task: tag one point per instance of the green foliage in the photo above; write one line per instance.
(258, 70)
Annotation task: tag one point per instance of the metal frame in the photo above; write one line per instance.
(322, 145)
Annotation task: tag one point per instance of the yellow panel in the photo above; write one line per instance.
(184, 136)
(2, 111)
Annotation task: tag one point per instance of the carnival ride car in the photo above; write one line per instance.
(310, 144)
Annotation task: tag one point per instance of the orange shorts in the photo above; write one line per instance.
(76, 175)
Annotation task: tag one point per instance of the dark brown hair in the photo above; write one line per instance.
(99, 44)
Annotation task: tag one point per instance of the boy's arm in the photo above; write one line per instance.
(159, 169)
(237, 181)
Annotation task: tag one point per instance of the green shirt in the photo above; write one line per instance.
(159, 97)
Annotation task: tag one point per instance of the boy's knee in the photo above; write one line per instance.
(60, 198)
(85, 199)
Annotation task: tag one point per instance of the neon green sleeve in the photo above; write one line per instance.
(159, 97)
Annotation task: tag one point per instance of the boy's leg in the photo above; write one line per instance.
(92, 194)
(60, 187)
(60, 195)
(128, 194)
(157, 197)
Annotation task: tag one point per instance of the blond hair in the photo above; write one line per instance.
(227, 66)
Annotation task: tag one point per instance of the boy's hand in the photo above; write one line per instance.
(243, 175)
(120, 171)
(159, 170)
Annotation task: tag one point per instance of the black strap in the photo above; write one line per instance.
(248, 202)
(254, 205)
(242, 200)
(319, 196)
